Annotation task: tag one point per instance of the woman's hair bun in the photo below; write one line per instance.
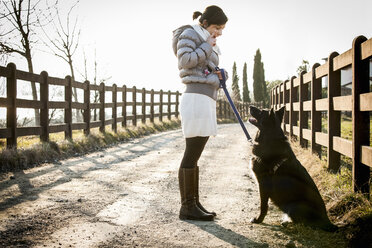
(196, 15)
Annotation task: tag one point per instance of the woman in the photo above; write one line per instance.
(197, 53)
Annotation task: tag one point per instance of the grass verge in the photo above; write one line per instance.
(33, 152)
(351, 211)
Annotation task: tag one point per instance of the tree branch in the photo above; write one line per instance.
(7, 49)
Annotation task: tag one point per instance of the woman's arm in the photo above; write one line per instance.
(188, 54)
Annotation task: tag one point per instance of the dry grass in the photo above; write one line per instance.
(32, 152)
(351, 211)
(226, 121)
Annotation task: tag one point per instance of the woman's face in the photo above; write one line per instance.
(215, 30)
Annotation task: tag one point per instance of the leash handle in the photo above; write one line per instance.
(223, 86)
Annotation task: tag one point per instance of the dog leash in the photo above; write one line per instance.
(223, 86)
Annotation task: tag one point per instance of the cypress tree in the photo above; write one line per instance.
(259, 84)
(245, 85)
(235, 84)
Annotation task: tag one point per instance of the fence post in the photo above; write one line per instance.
(242, 113)
(239, 109)
(237, 104)
(281, 95)
(169, 105)
(286, 111)
(291, 112)
(68, 110)
(245, 109)
(360, 122)
(134, 107)
(218, 104)
(102, 108)
(302, 114)
(228, 111)
(277, 98)
(242, 110)
(124, 109)
(143, 105)
(316, 119)
(334, 117)
(11, 112)
(114, 125)
(272, 98)
(224, 110)
(177, 103)
(161, 105)
(87, 107)
(152, 112)
(44, 111)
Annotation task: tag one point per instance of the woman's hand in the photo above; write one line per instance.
(218, 74)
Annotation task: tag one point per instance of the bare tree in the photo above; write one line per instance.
(96, 81)
(56, 92)
(65, 43)
(19, 20)
(23, 122)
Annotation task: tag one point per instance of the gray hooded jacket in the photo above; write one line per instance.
(194, 57)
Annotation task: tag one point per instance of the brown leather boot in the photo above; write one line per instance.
(197, 192)
(189, 210)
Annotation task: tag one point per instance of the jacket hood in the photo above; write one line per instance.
(176, 34)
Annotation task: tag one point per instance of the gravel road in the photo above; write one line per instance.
(127, 196)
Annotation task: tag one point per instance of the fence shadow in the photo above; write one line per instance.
(28, 192)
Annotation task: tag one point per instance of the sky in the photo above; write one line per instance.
(133, 39)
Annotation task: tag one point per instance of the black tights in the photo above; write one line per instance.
(194, 148)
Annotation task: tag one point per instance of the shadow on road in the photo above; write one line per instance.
(227, 235)
(28, 192)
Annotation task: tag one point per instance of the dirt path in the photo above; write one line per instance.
(127, 196)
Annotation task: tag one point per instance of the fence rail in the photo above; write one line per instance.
(224, 111)
(164, 106)
(305, 104)
(11, 103)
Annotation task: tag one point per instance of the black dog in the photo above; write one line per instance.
(281, 177)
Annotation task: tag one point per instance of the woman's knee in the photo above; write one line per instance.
(193, 151)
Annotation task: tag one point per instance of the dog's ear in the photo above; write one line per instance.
(279, 114)
(272, 113)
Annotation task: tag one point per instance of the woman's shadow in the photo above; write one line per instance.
(226, 235)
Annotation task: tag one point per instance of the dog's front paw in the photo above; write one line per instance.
(255, 220)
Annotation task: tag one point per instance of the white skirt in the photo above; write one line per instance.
(198, 115)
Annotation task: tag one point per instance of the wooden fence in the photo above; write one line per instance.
(224, 111)
(304, 103)
(11, 103)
